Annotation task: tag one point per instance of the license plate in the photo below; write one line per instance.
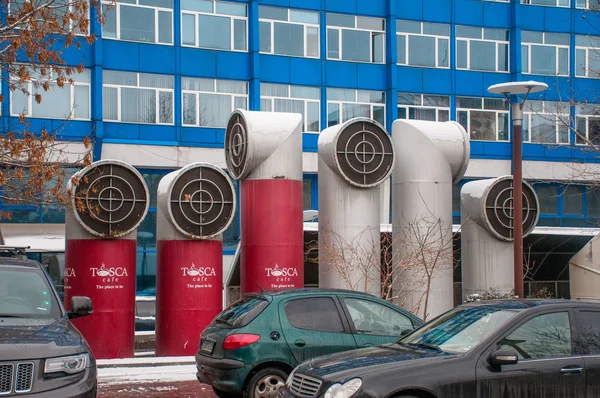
(207, 346)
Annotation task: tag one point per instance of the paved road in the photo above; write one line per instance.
(156, 389)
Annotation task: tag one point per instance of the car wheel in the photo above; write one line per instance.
(265, 383)
(225, 394)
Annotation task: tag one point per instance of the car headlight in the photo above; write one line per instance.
(288, 382)
(70, 364)
(345, 390)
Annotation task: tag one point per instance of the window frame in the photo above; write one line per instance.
(30, 97)
(336, 303)
(232, 20)
(117, 10)
(437, 41)
(137, 86)
(272, 98)
(483, 109)
(305, 26)
(197, 93)
(557, 48)
(582, 113)
(547, 114)
(340, 103)
(497, 43)
(587, 50)
(346, 308)
(436, 108)
(556, 4)
(339, 29)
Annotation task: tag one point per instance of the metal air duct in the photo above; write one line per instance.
(584, 272)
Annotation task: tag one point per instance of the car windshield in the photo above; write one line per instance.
(241, 313)
(461, 329)
(26, 293)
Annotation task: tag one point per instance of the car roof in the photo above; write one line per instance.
(522, 304)
(17, 262)
(309, 291)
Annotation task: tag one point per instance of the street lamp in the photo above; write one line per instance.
(514, 90)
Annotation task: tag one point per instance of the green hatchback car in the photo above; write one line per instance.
(250, 348)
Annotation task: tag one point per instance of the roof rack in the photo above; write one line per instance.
(13, 251)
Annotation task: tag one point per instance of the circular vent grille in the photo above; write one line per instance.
(202, 201)
(499, 208)
(110, 199)
(236, 145)
(364, 153)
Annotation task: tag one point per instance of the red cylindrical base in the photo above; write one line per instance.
(104, 270)
(189, 293)
(272, 252)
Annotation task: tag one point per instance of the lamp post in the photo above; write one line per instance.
(514, 90)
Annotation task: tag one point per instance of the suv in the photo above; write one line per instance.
(41, 352)
(250, 348)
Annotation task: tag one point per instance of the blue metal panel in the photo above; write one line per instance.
(468, 12)
(410, 79)
(533, 151)
(341, 74)
(199, 135)
(198, 62)
(341, 6)
(412, 9)
(557, 152)
(477, 150)
(274, 68)
(371, 76)
(233, 65)
(437, 81)
(557, 19)
(220, 133)
(532, 18)
(470, 83)
(120, 55)
(310, 4)
(279, 3)
(123, 131)
(150, 53)
(309, 142)
(586, 22)
(497, 149)
(372, 7)
(304, 71)
(438, 11)
(497, 15)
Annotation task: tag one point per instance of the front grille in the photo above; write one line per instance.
(304, 386)
(17, 379)
(24, 377)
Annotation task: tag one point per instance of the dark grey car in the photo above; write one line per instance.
(41, 353)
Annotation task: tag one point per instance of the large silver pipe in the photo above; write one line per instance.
(584, 272)
(431, 157)
(354, 159)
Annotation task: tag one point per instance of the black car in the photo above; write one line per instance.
(41, 353)
(508, 348)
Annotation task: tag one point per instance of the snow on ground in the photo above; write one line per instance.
(146, 374)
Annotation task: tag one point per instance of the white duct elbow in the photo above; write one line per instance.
(264, 145)
(198, 201)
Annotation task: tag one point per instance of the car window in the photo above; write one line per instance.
(26, 292)
(240, 313)
(373, 318)
(589, 329)
(545, 336)
(315, 313)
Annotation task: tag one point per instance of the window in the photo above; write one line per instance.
(318, 313)
(345, 104)
(137, 97)
(484, 49)
(588, 4)
(593, 202)
(548, 198)
(589, 327)
(485, 119)
(57, 10)
(587, 124)
(546, 122)
(240, 313)
(545, 336)
(555, 3)
(307, 193)
(209, 102)
(72, 101)
(435, 108)
(149, 21)
(545, 53)
(573, 200)
(214, 24)
(355, 38)
(294, 99)
(423, 44)
(286, 31)
(587, 58)
(376, 319)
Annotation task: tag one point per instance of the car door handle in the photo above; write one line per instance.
(573, 369)
(300, 343)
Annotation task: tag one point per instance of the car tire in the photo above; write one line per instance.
(265, 383)
(225, 394)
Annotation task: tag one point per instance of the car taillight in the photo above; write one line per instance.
(239, 340)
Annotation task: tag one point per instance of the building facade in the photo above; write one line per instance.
(164, 75)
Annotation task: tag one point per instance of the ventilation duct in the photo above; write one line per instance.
(487, 233)
(109, 201)
(430, 158)
(584, 272)
(264, 151)
(196, 204)
(354, 159)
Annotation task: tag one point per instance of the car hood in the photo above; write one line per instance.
(27, 338)
(358, 362)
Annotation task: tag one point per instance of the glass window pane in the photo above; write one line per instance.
(319, 313)
(355, 45)
(274, 90)
(422, 114)
(580, 62)
(436, 100)
(341, 94)
(543, 130)
(188, 29)
(214, 32)
(377, 47)
(590, 331)
(463, 119)
(197, 5)
(19, 102)
(468, 32)
(443, 115)
(573, 200)
(341, 20)
(503, 132)
(401, 49)
(265, 37)
(421, 51)
(239, 34)
(265, 105)
(408, 26)
(56, 103)
(189, 108)
(109, 103)
(350, 111)
(443, 52)
(377, 97)
(593, 62)
(165, 107)
(437, 29)
(461, 54)
(483, 126)
(370, 23)
(532, 37)
(503, 57)
(165, 27)
(157, 3)
(468, 102)
(312, 117)
(232, 86)
(593, 202)
(409, 99)
(525, 59)
(154, 80)
(563, 61)
(304, 16)
(543, 60)
(379, 114)
(240, 103)
(138, 105)
(237, 10)
(581, 131)
(557, 38)
(109, 28)
(548, 199)
(312, 41)
(333, 114)
(305, 92)
(307, 194)
(495, 34)
(277, 13)
(290, 106)
(594, 130)
(333, 44)
(137, 23)
(119, 77)
(375, 319)
(82, 102)
(402, 113)
(483, 55)
(213, 110)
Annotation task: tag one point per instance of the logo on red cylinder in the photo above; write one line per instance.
(198, 274)
(108, 274)
(281, 274)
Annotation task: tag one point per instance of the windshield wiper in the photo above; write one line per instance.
(429, 346)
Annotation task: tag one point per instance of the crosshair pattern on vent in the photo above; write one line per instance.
(201, 201)
(236, 145)
(499, 208)
(364, 153)
(111, 200)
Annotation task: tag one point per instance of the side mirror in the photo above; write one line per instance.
(80, 306)
(503, 357)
